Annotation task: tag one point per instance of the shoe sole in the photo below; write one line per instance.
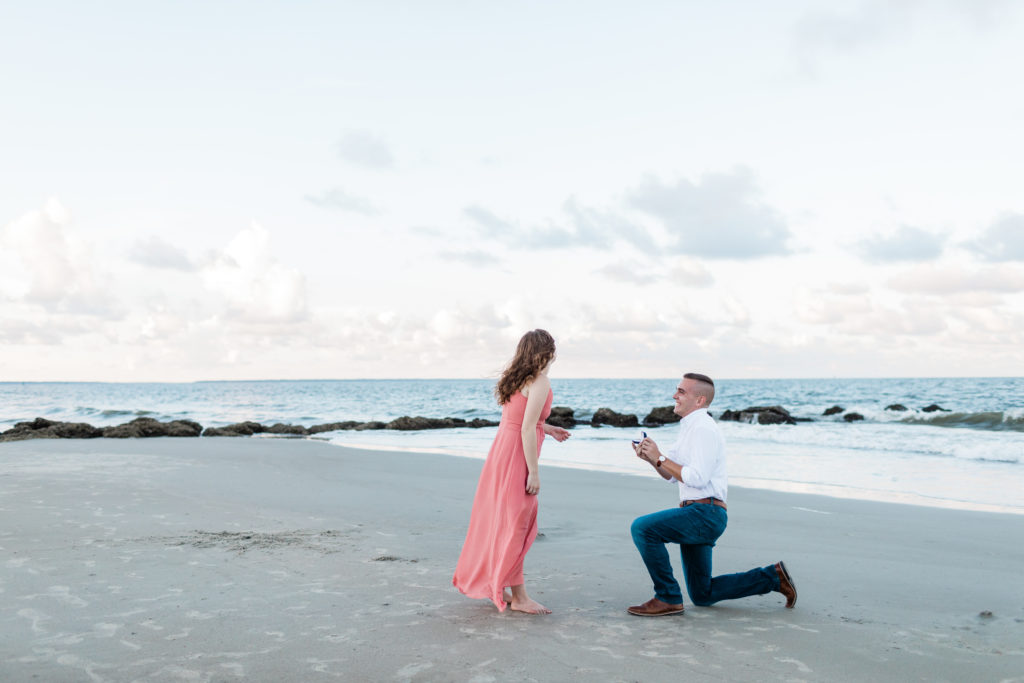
(659, 614)
(789, 580)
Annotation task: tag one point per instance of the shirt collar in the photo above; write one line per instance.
(692, 417)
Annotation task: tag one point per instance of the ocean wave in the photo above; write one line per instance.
(995, 420)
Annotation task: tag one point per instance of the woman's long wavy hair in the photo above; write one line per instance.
(535, 350)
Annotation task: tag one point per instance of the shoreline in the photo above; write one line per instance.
(780, 486)
(288, 559)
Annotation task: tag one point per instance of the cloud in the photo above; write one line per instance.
(621, 272)
(583, 227)
(47, 266)
(490, 224)
(906, 244)
(692, 273)
(820, 32)
(471, 257)
(1003, 241)
(597, 228)
(363, 148)
(50, 331)
(719, 217)
(156, 253)
(338, 198)
(946, 280)
(637, 319)
(256, 287)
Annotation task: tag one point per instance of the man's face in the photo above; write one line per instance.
(687, 399)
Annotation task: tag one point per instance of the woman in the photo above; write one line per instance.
(503, 523)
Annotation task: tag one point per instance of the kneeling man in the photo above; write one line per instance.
(696, 461)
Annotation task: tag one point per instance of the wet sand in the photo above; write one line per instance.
(221, 559)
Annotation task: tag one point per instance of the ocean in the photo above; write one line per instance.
(970, 455)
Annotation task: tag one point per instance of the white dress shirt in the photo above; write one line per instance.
(700, 450)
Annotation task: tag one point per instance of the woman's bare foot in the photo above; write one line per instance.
(529, 606)
(519, 601)
(507, 597)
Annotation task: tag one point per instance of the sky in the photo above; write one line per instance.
(304, 190)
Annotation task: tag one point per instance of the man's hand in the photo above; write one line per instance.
(648, 450)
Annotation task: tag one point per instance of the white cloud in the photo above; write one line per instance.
(156, 253)
(45, 264)
(944, 279)
(480, 259)
(821, 32)
(637, 274)
(255, 286)
(365, 149)
(906, 244)
(1003, 240)
(490, 224)
(721, 216)
(339, 198)
(579, 227)
(691, 273)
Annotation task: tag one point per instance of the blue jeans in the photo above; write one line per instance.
(695, 528)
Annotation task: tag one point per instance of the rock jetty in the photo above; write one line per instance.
(561, 416)
(607, 416)
(661, 416)
(760, 415)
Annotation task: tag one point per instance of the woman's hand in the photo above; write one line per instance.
(556, 433)
(532, 484)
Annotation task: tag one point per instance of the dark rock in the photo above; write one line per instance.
(933, 408)
(41, 428)
(607, 416)
(760, 415)
(899, 407)
(294, 430)
(373, 424)
(478, 422)
(408, 424)
(333, 426)
(147, 427)
(833, 410)
(661, 416)
(562, 416)
(853, 417)
(237, 429)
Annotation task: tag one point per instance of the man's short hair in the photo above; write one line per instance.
(708, 390)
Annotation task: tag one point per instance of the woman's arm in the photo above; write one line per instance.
(556, 433)
(537, 395)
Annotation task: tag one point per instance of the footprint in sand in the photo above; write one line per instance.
(36, 617)
(184, 633)
(410, 670)
(104, 630)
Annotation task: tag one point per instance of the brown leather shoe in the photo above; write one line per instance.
(655, 608)
(786, 585)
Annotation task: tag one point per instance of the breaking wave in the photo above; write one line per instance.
(996, 421)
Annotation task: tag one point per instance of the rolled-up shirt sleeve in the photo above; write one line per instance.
(704, 446)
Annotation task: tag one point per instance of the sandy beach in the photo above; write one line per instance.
(221, 559)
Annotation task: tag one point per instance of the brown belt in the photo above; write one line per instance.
(710, 501)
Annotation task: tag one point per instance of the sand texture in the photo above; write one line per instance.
(222, 559)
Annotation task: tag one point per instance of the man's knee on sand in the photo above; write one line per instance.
(638, 529)
(700, 598)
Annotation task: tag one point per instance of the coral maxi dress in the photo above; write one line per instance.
(503, 523)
